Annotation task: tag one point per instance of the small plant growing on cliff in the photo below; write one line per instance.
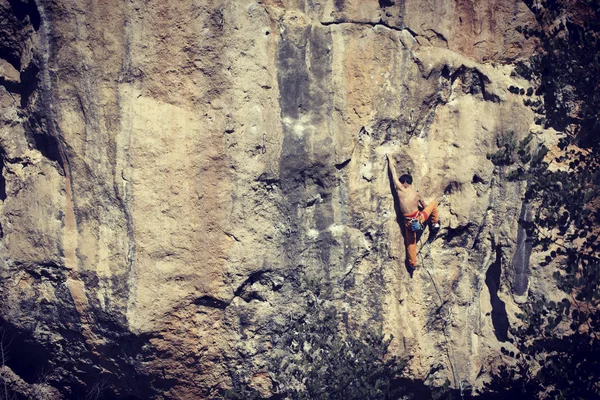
(506, 147)
(510, 154)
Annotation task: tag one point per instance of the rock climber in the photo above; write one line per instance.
(414, 211)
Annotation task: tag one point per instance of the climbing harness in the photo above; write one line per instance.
(415, 221)
(447, 320)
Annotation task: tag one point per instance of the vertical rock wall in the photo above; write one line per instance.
(177, 173)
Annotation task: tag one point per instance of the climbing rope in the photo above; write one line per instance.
(449, 348)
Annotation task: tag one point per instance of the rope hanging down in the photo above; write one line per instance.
(449, 349)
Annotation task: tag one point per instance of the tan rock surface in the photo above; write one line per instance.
(181, 167)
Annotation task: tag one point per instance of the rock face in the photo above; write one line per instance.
(176, 173)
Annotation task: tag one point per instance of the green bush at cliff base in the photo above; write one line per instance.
(324, 364)
(314, 359)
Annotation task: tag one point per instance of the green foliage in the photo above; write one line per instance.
(514, 383)
(323, 363)
(563, 198)
(505, 155)
(319, 356)
(569, 66)
(560, 340)
(566, 227)
(444, 392)
(509, 154)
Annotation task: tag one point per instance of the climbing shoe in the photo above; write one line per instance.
(433, 231)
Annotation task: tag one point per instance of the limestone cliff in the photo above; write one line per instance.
(174, 172)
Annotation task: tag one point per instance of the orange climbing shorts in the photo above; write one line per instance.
(410, 237)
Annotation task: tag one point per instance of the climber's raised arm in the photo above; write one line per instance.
(392, 168)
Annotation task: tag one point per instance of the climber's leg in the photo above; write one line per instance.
(431, 212)
(410, 239)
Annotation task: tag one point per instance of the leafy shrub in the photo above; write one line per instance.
(560, 341)
(323, 363)
(314, 357)
(506, 148)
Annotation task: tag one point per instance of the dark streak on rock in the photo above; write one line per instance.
(2, 179)
(48, 146)
(342, 164)
(245, 292)
(492, 281)
(29, 83)
(413, 33)
(211, 302)
(453, 187)
(484, 81)
(439, 36)
(367, 23)
(520, 260)
(303, 92)
(267, 179)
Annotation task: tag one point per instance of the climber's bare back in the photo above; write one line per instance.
(409, 199)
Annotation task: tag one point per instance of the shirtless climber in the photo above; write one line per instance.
(413, 209)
